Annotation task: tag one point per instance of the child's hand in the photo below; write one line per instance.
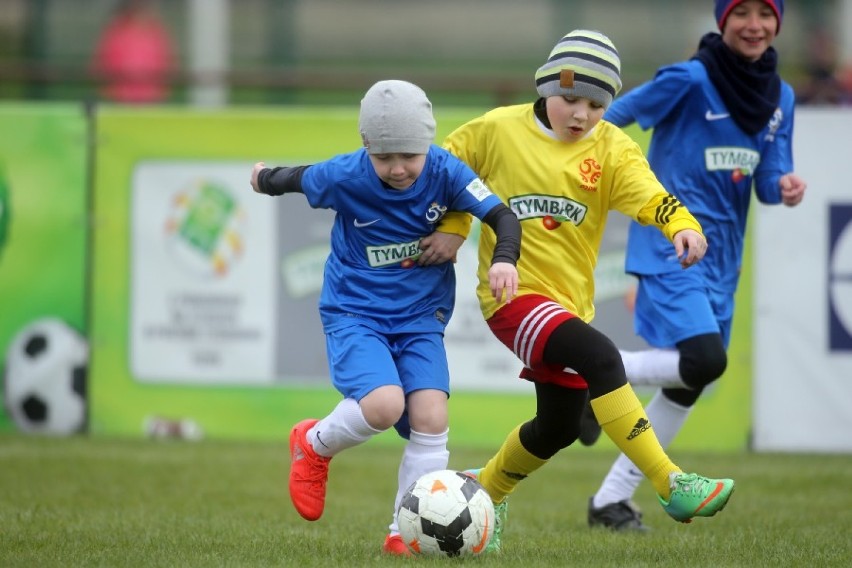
(255, 171)
(439, 248)
(690, 247)
(503, 276)
(792, 189)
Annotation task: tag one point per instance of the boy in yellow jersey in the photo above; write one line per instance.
(561, 170)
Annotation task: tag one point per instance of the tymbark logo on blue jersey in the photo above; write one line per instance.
(729, 158)
(393, 254)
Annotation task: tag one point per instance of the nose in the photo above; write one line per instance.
(753, 20)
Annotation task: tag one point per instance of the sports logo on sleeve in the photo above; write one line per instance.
(774, 125)
(478, 189)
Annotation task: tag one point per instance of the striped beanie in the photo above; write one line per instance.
(585, 64)
(724, 7)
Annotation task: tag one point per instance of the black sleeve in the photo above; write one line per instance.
(278, 181)
(508, 230)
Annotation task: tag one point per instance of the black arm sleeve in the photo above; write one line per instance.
(508, 230)
(278, 181)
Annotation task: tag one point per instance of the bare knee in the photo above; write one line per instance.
(383, 407)
(427, 411)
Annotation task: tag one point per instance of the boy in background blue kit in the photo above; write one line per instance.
(384, 302)
(723, 122)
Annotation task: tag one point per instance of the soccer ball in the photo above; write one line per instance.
(446, 513)
(45, 378)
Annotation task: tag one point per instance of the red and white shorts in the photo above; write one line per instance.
(524, 326)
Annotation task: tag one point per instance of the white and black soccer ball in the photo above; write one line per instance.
(446, 513)
(45, 378)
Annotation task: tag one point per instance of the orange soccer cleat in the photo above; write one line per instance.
(308, 473)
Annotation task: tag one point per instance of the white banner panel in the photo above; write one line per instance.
(803, 298)
(202, 275)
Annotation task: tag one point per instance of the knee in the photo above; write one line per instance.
(427, 411)
(587, 351)
(545, 440)
(704, 362)
(383, 407)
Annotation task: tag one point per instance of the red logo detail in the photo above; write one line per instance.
(550, 223)
(590, 171)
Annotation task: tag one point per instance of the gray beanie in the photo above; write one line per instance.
(584, 63)
(396, 117)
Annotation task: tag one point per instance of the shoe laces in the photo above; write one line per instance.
(317, 471)
(500, 510)
(689, 483)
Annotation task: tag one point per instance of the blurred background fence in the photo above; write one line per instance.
(328, 51)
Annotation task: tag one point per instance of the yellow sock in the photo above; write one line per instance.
(622, 417)
(509, 466)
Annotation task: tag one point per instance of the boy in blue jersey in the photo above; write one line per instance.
(384, 304)
(723, 122)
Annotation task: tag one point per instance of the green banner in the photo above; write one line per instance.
(189, 265)
(177, 227)
(43, 234)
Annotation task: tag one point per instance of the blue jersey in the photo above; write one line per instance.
(371, 276)
(702, 157)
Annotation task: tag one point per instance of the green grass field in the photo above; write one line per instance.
(94, 502)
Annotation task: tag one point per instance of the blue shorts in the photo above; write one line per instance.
(361, 360)
(675, 306)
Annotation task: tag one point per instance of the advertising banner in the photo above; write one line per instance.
(43, 240)
(803, 305)
(204, 315)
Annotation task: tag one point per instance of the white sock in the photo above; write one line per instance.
(667, 418)
(343, 428)
(423, 453)
(653, 367)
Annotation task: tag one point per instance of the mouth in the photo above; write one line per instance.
(399, 183)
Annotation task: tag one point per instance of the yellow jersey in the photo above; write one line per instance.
(561, 193)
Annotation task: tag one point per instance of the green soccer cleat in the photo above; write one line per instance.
(501, 510)
(696, 496)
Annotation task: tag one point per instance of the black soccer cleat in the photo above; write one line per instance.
(623, 516)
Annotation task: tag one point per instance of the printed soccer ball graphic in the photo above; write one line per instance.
(446, 513)
(205, 228)
(45, 378)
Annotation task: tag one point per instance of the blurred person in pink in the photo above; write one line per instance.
(135, 55)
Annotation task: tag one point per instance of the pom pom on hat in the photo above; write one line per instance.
(724, 7)
(396, 117)
(585, 64)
